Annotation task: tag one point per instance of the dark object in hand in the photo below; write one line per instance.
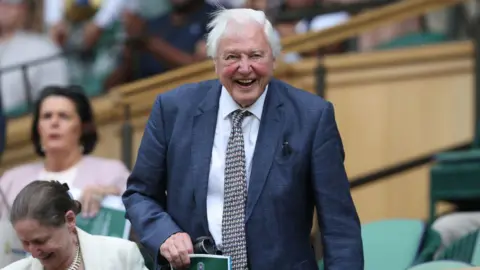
(205, 245)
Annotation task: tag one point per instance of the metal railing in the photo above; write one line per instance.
(24, 68)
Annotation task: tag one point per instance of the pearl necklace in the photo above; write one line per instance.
(77, 262)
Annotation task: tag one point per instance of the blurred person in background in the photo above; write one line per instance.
(96, 16)
(148, 9)
(316, 23)
(167, 42)
(92, 29)
(227, 3)
(44, 218)
(290, 28)
(380, 36)
(3, 130)
(19, 47)
(64, 134)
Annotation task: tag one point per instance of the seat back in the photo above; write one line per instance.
(463, 249)
(391, 244)
(475, 260)
(429, 246)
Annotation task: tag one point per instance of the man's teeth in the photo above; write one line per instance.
(245, 81)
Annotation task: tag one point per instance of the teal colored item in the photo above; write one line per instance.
(454, 177)
(414, 39)
(430, 244)
(441, 265)
(465, 249)
(209, 262)
(391, 244)
(108, 222)
(476, 252)
(18, 111)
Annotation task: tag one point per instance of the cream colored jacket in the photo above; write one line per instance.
(99, 252)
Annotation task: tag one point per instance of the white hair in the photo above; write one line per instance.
(221, 18)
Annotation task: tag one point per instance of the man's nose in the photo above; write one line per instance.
(244, 66)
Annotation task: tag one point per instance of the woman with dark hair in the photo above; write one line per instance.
(43, 216)
(64, 134)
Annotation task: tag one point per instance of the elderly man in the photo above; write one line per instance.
(243, 159)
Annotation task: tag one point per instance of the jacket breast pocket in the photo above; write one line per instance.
(285, 154)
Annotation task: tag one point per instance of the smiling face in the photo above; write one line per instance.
(52, 246)
(244, 62)
(59, 124)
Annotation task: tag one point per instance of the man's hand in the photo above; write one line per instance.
(134, 25)
(136, 31)
(91, 35)
(59, 33)
(176, 249)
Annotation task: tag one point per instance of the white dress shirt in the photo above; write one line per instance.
(250, 127)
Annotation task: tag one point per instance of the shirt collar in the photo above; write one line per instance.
(227, 105)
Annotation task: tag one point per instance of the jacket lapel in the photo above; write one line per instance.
(267, 140)
(203, 134)
(36, 264)
(90, 252)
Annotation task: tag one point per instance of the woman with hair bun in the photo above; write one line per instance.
(43, 216)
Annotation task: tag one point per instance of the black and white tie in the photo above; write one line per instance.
(235, 196)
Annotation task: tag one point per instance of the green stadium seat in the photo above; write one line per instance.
(396, 244)
(454, 178)
(465, 249)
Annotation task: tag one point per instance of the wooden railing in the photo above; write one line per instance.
(307, 42)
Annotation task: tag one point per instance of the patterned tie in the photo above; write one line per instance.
(235, 196)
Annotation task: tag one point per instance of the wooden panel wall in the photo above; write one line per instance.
(395, 106)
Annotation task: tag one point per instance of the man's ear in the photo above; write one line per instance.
(215, 64)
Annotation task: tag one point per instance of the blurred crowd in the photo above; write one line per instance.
(101, 44)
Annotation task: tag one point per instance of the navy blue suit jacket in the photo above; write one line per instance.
(174, 159)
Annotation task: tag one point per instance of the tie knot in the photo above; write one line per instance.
(238, 115)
